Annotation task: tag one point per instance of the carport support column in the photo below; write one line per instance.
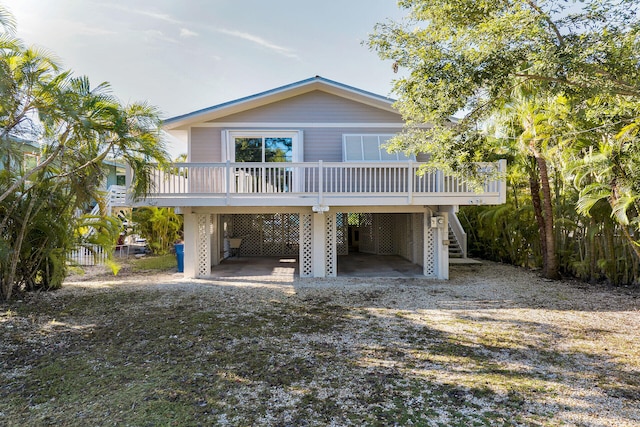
(197, 245)
(318, 241)
(436, 245)
(190, 239)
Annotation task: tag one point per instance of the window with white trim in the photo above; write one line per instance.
(264, 146)
(257, 148)
(369, 148)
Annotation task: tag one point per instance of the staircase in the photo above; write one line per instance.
(89, 255)
(455, 250)
(116, 197)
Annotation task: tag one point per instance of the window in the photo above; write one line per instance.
(266, 149)
(264, 146)
(259, 147)
(368, 148)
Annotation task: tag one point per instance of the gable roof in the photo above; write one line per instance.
(278, 94)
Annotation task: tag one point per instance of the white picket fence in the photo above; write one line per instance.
(87, 256)
(93, 254)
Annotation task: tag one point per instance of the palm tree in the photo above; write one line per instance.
(531, 121)
(78, 126)
(611, 172)
(7, 22)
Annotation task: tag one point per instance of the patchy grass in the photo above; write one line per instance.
(282, 354)
(154, 263)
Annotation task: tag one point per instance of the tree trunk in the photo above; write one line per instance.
(8, 285)
(593, 249)
(551, 271)
(534, 186)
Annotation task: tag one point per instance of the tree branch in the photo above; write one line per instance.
(546, 17)
(572, 83)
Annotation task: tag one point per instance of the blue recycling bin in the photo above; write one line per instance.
(179, 247)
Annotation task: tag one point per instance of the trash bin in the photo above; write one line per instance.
(179, 247)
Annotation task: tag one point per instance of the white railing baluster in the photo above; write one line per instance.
(319, 179)
(320, 182)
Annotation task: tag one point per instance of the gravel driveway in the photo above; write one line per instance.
(494, 345)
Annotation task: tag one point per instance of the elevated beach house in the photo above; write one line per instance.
(301, 171)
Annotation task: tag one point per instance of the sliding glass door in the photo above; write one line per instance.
(258, 151)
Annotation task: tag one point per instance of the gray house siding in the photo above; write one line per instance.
(320, 143)
(316, 106)
(205, 145)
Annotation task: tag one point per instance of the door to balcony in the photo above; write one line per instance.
(258, 149)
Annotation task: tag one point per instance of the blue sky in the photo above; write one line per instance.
(183, 55)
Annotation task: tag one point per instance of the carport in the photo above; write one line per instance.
(353, 265)
(322, 241)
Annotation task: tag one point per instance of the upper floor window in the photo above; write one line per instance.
(264, 149)
(368, 148)
(264, 146)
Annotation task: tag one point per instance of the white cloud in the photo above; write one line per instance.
(159, 16)
(87, 30)
(155, 15)
(186, 33)
(260, 41)
(155, 35)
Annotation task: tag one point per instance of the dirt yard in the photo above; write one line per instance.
(495, 345)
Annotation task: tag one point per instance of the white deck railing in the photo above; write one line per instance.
(116, 196)
(313, 178)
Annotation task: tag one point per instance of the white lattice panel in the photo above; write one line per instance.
(342, 230)
(402, 235)
(292, 234)
(330, 245)
(429, 251)
(384, 226)
(267, 234)
(272, 237)
(306, 253)
(203, 254)
(367, 237)
(247, 227)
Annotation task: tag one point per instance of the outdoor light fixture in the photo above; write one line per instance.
(437, 221)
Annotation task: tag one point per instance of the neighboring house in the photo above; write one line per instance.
(25, 154)
(114, 187)
(19, 150)
(302, 171)
(116, 172)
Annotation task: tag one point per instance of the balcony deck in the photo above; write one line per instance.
(317, 184)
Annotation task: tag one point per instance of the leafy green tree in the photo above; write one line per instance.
(78, 126)
(473, 56)
(530, 123)
(611, 172)
(161, 227)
